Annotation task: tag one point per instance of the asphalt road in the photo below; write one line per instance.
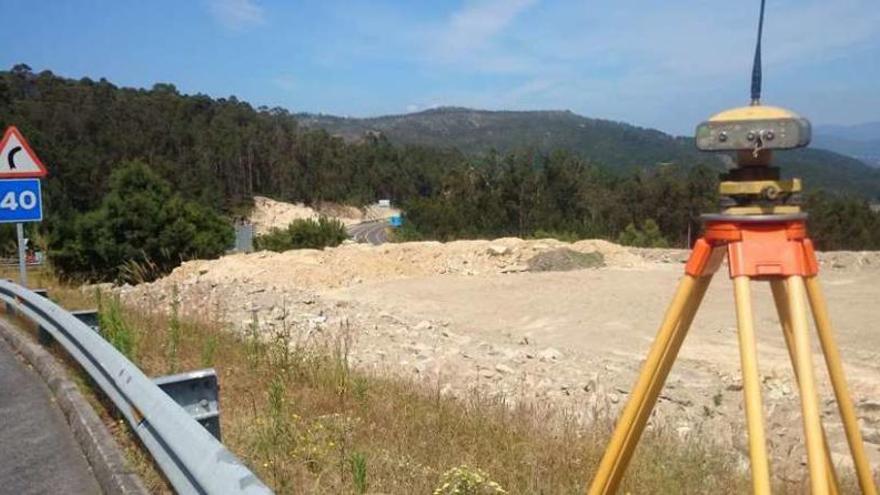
(38, 453)
(371, 232)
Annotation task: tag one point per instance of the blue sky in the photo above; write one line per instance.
(663, 64)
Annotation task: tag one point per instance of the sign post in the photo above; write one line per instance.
(20, 194)
(22, 267)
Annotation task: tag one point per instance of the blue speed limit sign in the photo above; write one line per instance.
(20, 201)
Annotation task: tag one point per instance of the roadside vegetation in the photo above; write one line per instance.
(308, 423)
(304, 233)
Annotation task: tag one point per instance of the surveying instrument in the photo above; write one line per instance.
(762, 233)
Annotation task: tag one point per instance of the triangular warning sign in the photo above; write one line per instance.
(17, 159)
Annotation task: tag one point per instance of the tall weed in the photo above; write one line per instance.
(113, 325)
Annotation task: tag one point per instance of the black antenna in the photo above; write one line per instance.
(756, 65)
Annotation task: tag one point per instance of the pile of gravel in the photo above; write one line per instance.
(563, 260)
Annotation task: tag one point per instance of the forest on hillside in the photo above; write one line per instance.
(190, 161)
(618, 146)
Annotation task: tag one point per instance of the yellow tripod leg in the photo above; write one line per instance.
(838, 382)
(784, 312)
(806, 383)
(751, 387)
(635, 414)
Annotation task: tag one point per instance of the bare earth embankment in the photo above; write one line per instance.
(538, 321)
(269, 214)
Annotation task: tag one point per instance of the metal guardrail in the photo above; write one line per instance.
(14, 262)
(189, 456)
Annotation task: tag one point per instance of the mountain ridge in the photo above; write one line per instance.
(861, 141)
(616, 145)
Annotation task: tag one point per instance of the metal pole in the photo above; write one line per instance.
(22, 268)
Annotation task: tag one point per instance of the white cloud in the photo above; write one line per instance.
(696, 38)
(473, 37)
(478, 22)
(649, 62)
(236, 15)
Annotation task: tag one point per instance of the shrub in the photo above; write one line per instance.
(405, 233)
(140, 222)
(648, 236)
(305, 233)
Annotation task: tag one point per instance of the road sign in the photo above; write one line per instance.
(20, 201)
(17, 159)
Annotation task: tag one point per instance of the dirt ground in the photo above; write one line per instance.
(471, 314)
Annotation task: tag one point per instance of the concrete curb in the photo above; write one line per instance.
(95, 440)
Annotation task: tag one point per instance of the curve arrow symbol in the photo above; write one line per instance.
(10, 158)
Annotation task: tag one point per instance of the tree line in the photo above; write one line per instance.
(217, 153)
(529, 194)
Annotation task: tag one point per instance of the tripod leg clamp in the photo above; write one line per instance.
(705, 259)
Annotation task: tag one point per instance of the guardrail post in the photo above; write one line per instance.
(198, 393)
(89, 317)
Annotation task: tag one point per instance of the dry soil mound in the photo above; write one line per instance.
(268, 213)
(357, 263)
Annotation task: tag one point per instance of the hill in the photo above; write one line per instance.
(615, 145)
(181, 162)
(474, 131)
(859, 141)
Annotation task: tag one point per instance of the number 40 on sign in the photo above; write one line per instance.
(20, 201)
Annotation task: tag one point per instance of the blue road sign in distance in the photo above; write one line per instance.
(20, 201)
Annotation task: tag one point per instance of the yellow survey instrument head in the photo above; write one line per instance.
(756, 128)
(753, 127)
